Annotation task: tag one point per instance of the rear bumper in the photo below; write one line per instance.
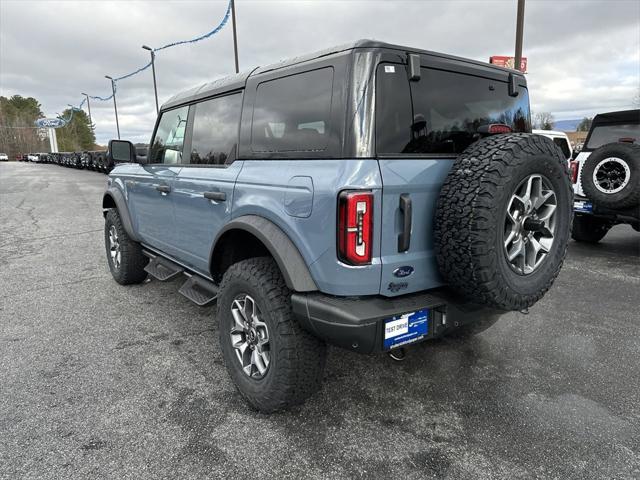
(626, 215)
(357, 323)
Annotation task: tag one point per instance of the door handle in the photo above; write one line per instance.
(404, 239)
(216, 196)
(163, 188)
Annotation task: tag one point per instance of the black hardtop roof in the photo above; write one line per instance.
(623, 116)
(237, 81)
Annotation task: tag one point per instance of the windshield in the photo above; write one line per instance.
(441, 113)
(603, 134)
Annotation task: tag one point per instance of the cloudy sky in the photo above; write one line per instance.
(584, 56)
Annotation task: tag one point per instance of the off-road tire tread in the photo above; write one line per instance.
(133, 261)
(466, 218)
(301, 357)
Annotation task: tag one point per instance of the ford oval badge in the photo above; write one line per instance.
(404, 271)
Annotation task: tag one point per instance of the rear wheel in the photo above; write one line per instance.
(589, 229)
(273, 362)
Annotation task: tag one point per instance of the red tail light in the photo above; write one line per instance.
(355, 227)
(499, 128)
(574, 167)
(494, 128)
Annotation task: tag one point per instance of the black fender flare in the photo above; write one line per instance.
(293, 267)
(113, 198)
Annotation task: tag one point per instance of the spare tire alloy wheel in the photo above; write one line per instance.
(503, 218)
(611, 175)
(530, 224)
(249, 337)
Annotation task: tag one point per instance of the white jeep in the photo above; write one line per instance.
(560, 139)
(606, 176)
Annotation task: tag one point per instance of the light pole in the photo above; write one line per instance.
(89, 108)
(519, 34)
(115, 106)
(153, 68)
(235, 38)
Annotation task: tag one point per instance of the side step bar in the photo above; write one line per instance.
(199, 290)
(161, 268)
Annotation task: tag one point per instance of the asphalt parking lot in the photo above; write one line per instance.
(103, 381)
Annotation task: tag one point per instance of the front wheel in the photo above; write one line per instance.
(589, 229)
(273, 362)
(124, 255)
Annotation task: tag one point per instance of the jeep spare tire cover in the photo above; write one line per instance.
(610, 177)
(503, 219)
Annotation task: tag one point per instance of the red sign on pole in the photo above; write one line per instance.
(509, 62)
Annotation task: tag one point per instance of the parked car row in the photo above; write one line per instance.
(97, 160)
(91, 160)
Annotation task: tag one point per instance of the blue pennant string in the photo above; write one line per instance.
(220, 26)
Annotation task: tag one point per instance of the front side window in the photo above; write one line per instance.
(603, 134)
(169, 139)
(445, 110)
(215, 130)
(292, 114)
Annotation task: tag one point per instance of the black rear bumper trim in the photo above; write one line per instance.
(356, 323)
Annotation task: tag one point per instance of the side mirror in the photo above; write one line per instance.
(121, 151)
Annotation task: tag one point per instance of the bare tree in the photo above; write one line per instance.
(543, 121)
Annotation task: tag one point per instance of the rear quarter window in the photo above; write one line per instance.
(292, 114)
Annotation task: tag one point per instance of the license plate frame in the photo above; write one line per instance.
(406, 328)
(583, 206)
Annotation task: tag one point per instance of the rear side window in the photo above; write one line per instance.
(215, 130)
(603, 134)
(445, 110)
(292, 114)
(169, 139)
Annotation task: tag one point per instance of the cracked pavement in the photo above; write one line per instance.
(103, 381)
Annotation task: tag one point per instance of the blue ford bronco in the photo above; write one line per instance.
(368, 196)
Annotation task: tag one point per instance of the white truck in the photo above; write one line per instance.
(560, 139)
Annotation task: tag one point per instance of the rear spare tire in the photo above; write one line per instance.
(611, 175)
(503, 219)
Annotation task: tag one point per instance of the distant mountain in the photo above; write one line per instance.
(566, 125)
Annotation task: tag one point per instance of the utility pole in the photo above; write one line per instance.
(115, 106)
(519, 34)
(235, 37)
(153, 68)
(89, 108)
